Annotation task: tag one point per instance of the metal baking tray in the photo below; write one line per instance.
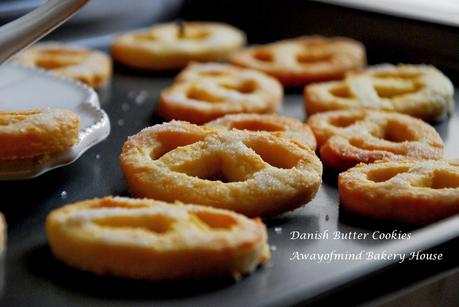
(32, 277)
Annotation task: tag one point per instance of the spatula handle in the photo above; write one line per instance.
(28, 29)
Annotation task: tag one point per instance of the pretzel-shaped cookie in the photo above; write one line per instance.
(91, 67)
(302, 60)
(253, 173)
(153, 240)
(203, 92)
(279, 125)
(418, 90)
(173, 45)
(417, 192)
(348, 137)
(32, 133)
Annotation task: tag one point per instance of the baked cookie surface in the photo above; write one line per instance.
(203, 92)
(277, 124)
(253, 173)
(30, 133)
(302, 60)
(417, 192)
(153, 240)
(348, 137)
(418, 90)
(174, 45)
(91, 67)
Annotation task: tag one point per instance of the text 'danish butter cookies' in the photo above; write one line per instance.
(279, 125)
(153, 240)
(31, 133)
(302, 60)
(418, 90)
(407, 191)
(253, 173)
(173, 45)
(203, 92)
(348, 137)
(91, 67)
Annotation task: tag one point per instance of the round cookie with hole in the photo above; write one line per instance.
(348, 137)
(253, 173)
(277, 124)
(418, 90)
(302, 60)
(206, 91)
(152, 240)
(409, 191)
(91, 67)
(174, 45)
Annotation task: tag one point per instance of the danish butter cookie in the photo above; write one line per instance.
(418, 90)
(153, 240)
(279, 125)
(203, 92)
(348, 137)
(302, 60)
(417, 192)
(253, 173)
(31, 133)
(173, 45)
(91, 67)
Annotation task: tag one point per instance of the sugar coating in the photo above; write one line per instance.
(254, 173)
(148, 239)
(32, 133)
(164, 47)
(409, 191)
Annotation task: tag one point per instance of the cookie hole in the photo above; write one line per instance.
(59, 58)
(212, 73)
(398, 132)
(209, 166)
(345, 120)
(197, 93)
(215, 220)
(377, 152)
(308, 58)
(357, 143)
(217, 176)
(214, 174)
(246, 87)
(256, 125)
(263, 56)
(445, 180)
(274, 154)
(384, 174)
(397, 74)
(112, 203)
(170, 140)
(144, 36)
(191, 33)
(397, 88)
(341, 92)
(158, 224)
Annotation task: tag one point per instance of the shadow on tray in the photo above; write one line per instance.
(160, 74)
(347, 219)
(41, 263)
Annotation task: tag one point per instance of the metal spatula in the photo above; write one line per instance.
(28, 29)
